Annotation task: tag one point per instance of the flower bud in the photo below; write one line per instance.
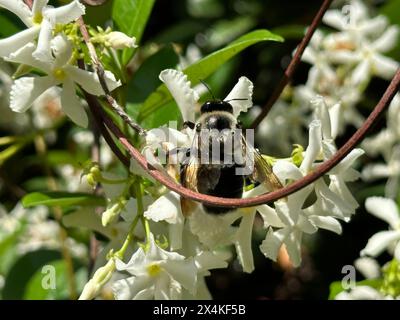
(119, 40)
(100, 278)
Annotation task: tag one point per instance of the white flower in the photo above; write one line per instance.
(119, 40)
(363, 40)
(46, 109)
(368, 267)
(384, 209)
(186, 98)
(386, 143)
(26, 90)
(333, 201)
(41, 21)
(155, 274)
(362, 293)
(284, 121)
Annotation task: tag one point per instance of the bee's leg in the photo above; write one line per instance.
(188, 124)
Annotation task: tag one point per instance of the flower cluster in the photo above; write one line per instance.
(382, 282)
(50, 46)
(179, 250)
(343, 62)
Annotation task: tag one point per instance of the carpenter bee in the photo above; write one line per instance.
(221, 159)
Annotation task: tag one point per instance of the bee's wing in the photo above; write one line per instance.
(262, 170)
(188, 176)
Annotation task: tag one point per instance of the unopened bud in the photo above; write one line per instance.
(119, 40)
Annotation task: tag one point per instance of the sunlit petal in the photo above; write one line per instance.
(179, 87)
(71, 105)
(17, 41)
(26, 90)
(242, 90)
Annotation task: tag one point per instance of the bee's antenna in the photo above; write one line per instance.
(208, 89)
(236, 99)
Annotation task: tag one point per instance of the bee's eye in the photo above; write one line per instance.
(198, 127)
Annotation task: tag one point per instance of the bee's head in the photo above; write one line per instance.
(216, 105)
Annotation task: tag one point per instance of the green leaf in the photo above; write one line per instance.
(24, 268)
(8, 28)
(205, 67)
(62, 199)
(145, 80)
(34, 289)
(131, 16)
(336, 287)
(291, 31)
(8, 252)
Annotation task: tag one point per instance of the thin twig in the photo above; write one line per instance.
(290, 70)
(98, 115)
(101, 75)
(232, 202)
(272, 196)
(94, 3)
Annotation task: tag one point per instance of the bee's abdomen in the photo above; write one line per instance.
(227, 185)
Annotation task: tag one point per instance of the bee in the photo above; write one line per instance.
(220, 159)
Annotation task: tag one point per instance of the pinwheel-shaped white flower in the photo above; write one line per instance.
(186, 98)
(331, 202)
(363, 41)
(26, 90)
(294, 219)
(41, 21)
(385, 209)
(155, 274)
(386, 143)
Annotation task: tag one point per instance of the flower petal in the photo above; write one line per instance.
(26, 90)
(379, 242)
(42, 52)
(293, 247)
(67, 13)
(166, 207)
(387, 40)
(368, 267)
(335, 19)
(71, 105)
(24, 56)
(270, 216)
(361, 73)
(314, 146)
(384, 209)
(384, 67)
(62, 50)
(397, 251)
(242, 90)
(136, 265)
(19, 8)
(327, 223)
(89, 80)
(286, 170)
(243, 242)
(38, 6)
(207, 260)
(179, 87)
(17, 41)
(360, 293)
(129, 288)
(183, 271)
(323, 115)
(273, 242)
(222, 233)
